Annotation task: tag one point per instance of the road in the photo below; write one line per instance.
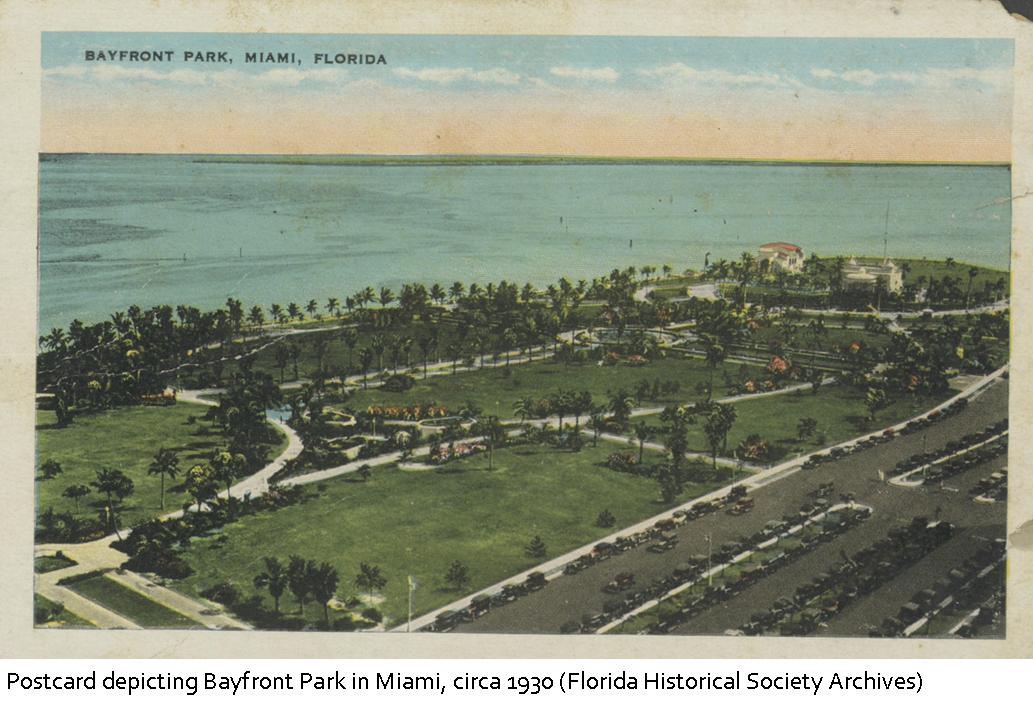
(569, 598)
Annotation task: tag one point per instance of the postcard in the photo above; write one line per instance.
(374, 336)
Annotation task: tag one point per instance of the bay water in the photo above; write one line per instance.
(118, 230)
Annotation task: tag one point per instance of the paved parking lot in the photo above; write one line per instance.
(570, 598)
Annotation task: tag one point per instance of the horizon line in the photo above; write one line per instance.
(303, 158)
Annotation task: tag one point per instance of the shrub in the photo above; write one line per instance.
(622, 461)
(222, 593)
(344, 624)
(605, 519)
(373, 615)
(399, 382)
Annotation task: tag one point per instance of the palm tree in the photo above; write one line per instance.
(165, 463)
(283, 356)
(351, 338)
(456, 291)
(366, 357)
(333, 306)
(972, 273)
(387, 296)
(312, 307)
(642, 431)
(717, 426)
(300, 578)
(621, 405)
(274, 578)
(524, 407)
(256, 316)
(324, 580)
(294, 312)
(276, 311)
(378, 344)
(438, 294)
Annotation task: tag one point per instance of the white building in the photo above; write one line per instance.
(864, 276)
(780, 256)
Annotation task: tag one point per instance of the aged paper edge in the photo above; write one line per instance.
(21, 22)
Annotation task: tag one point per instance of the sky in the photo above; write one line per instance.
(902, 100)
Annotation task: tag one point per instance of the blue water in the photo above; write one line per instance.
(118, 230)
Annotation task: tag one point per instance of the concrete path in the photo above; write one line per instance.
(206, 615)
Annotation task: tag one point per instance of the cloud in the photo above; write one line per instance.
(227, 78)
(678, 70)
(606, 74)
(449, 76)
(930, 79)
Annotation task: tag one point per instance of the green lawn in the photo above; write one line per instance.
(838, 410)
(127, 439)
(46, 564)
(132, 605)
(58, 614)
(419, 522)
(495, 390)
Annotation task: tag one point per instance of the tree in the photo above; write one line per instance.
(876, 400)
(670, 483)
(165, 464)
(537, 548)
(300, 576)
(275, 578)
(598, 423)
(605, 519)
(283, 356)
(324, 580)
(365, 472)
(369, 577)
(677, 444)
(715, 354)
(806, 427)
(333, 306)
(256, 316)
(117, 486)
(49, 470)
(226, 467)
(75, 492)
(458, 575)
(524, 407)
(351, 338)
(366, 356)
(642, 431)
(319, 348)
(717, 426)
(621, 405)
(201, 483)
(494, 433)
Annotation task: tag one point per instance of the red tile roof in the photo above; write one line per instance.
(783, 246)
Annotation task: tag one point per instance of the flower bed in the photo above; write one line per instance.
(454, 452)
(415, 412)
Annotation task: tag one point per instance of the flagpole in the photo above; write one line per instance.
(412, 587)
